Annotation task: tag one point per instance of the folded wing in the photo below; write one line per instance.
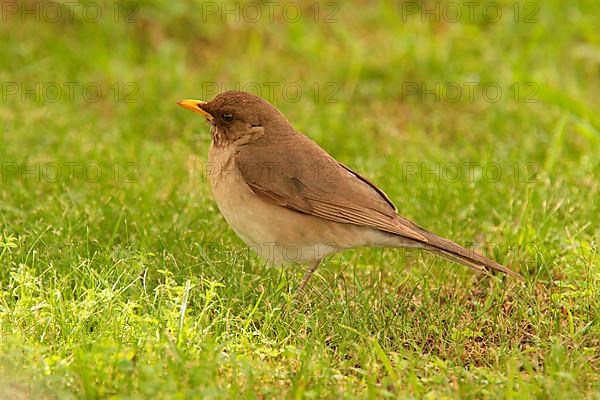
(328, 190)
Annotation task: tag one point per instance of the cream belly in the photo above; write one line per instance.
(275, 233)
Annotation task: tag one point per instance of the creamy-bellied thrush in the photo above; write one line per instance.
(290, 201)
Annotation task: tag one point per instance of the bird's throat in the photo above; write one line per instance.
(218, 138)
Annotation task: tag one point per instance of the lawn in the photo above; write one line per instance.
(120, 279)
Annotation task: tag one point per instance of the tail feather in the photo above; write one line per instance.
(454, 252)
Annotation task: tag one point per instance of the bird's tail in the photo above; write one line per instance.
(454, 252)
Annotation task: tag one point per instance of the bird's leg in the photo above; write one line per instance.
(309, 274)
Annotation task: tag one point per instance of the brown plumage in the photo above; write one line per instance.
(277, 188)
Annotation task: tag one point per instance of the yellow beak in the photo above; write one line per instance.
(196, 106)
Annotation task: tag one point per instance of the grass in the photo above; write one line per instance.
(131, 285)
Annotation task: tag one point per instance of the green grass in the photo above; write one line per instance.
(133, 286)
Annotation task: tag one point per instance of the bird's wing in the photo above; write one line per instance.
(310, 181)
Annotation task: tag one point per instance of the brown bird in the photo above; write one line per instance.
(290, 201)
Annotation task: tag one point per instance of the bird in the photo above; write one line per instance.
(293, 203)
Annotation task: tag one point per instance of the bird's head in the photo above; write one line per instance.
(234, 115)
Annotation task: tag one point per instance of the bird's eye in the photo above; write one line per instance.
(226, 117)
